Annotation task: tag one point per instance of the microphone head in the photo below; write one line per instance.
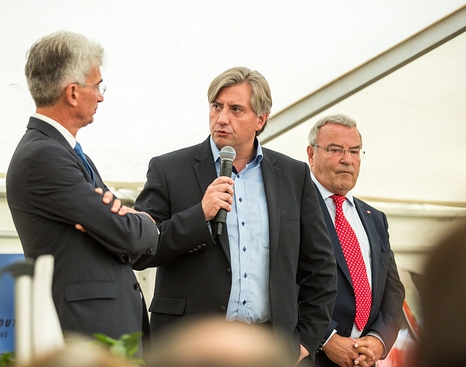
(228, 153)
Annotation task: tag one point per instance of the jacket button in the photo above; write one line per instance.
(348, 333)
(351, 293)
(149, 250)
(136, 286)
(228, 270)
(222, 309)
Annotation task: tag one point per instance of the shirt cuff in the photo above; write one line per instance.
(326, 341)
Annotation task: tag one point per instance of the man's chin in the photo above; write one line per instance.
(345, 187)
(221, 141)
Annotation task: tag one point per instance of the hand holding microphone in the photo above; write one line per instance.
(227, 156)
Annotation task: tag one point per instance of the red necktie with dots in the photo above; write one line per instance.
(357, 268)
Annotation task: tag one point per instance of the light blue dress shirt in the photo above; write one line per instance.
(248, 236)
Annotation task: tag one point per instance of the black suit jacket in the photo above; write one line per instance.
(48, 192)
(387, 289)
(193, 275)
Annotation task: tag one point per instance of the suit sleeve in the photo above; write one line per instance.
(57, 188)
(388, 321)
(316, 273)
(176, 207)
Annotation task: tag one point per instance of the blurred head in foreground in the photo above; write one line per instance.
(216, 342)
(80, 353)
(443, 303)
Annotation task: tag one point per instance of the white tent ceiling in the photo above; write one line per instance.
(412, 121)
(161, 56)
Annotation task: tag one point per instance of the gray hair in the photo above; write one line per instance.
(338, 118)
(57, 60)
(261, 97)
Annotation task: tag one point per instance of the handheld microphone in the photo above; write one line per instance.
(227, 156)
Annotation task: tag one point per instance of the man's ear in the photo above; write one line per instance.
(310, 155)
(261, 122)
(71, 94)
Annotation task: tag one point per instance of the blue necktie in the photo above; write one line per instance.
(81, 155)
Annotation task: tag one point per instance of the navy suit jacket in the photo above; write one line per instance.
(387, 289)
(48, 191)
(193, 275)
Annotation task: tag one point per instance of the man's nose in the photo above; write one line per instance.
(346, 157)
(223, 117)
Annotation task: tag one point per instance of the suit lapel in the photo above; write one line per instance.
(98, 180)
(338, 252)
(54, 134)
(205, 172)
(204, 166)
(272, 178)
(369, 226)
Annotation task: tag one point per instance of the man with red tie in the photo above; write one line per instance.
(368, 310)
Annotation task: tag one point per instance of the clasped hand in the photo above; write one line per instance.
(349, 352)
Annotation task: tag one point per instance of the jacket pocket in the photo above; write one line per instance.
(90, 290)
(168, 305)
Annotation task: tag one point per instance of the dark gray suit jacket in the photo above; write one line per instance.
(48, 192)
(193, 275)
(387, 290)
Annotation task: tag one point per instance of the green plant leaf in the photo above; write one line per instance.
(131, 342)
(105, 339)
(126, 346)
(7, 359)
(118, 350)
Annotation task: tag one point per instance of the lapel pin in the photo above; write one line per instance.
(368, 212)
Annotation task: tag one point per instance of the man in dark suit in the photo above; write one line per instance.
(335, 152)
(274, 230)
(51, 192)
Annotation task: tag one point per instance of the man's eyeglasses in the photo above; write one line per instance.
(356, 153)
(100, 89)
